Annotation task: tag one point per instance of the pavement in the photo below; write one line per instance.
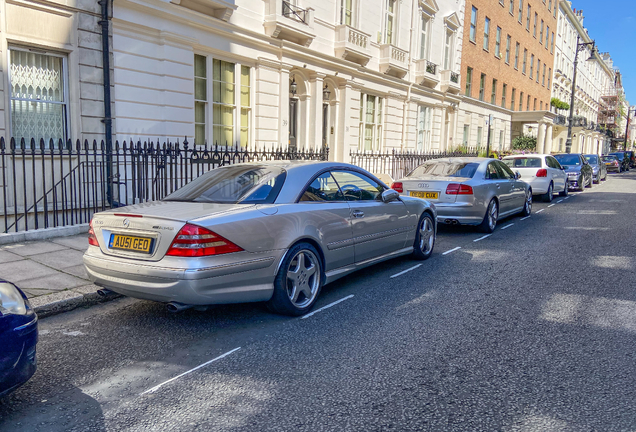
(50, 272)
(529, 329)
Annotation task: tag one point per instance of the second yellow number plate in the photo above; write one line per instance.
(130, 243)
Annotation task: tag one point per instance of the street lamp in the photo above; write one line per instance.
(629, 110)
(579, 47)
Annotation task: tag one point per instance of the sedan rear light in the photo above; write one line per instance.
(615, 163)
(92, 238)
(458, 189)
(196, 241)
(398, 187)
(542, 172)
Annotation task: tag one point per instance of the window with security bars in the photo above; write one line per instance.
(38, 95)
(370, 122)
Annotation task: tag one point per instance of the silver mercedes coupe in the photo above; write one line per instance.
(272, 231)
(470, 191)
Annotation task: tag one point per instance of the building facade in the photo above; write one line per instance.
(592, 78)
(51, 58)
(613, 105)
(507, 60)
(370, 75)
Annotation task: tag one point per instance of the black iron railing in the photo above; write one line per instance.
(294, 12)
(454, 77)
(52, 184)
(398, 163)
(431, 67)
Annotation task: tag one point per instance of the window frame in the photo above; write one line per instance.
(472, 35)
(493, 92)
(424, 42)
(344, 10)
(378, 118)
(517, 50)
(424, 130)
(482, 86)
(504, 89)
(512, 99)
(486, 44)
(469, 82)
(66, 106)
(508, 46)
(390, 37)
(498, 42)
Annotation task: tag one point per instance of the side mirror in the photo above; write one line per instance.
(390, 195)
(517, 175)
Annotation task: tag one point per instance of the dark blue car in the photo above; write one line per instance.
(18, 337)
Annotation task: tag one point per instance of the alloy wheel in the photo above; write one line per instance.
(492, 215)
(303, 278)
(427, 235)
(529, 201)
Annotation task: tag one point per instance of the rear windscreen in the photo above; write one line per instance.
(525, 162)
(445, 169)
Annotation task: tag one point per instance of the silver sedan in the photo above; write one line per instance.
(270, 231)
(470, 191)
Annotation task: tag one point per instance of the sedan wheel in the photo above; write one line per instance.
(424, 238)
(566, 190)
(490, 219)
(547, 197)
(527, 207)
(298, 281)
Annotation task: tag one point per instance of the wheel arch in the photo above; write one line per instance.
(312, 242)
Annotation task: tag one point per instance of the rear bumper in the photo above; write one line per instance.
(539, 185)
(248, 278)
(18, 354)
(462, 213)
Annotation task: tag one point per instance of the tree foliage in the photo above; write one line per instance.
(524, 142)
(559, 104)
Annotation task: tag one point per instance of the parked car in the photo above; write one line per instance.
(542, 172)
(578, 170)
(599, 172)
(468, 191)
(632, 158)
(18, 338)
(264, 231)
(612, 164)
(622, 159)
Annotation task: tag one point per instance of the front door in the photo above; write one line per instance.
(325, 124)
(293, 124)
(517, 188)
(378, 228)
(499, 184)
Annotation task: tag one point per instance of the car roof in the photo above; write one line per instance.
(526, 155)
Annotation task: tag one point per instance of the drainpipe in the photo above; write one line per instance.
(107, 120)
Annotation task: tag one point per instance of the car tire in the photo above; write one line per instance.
(298, 282)
(547, 197)
(527, 206)
(582, 184)
(590, 182)
(490, 218)
(597, 181)
(424, 237)
(565, 190)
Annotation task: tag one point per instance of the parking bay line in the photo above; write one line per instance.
(566, 198)
(406, 271)
(482, 238)
(157, 387)
(524, 218)
(507, 226)
(551, 205)
(559, 201)
(539, 211)
(452, 250)
(326, 307)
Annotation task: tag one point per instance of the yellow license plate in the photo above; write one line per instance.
(130, 243)
(425, 195)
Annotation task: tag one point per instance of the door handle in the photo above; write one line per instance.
(358, 214)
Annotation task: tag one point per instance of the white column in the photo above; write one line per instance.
(541, 138)
(315, 114)
(548, 140)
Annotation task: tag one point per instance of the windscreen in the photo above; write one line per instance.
(608, 158)
(237, 184)
(619, 156)
(523, 162)
(593, 159)
(568, 159)
(445, 169)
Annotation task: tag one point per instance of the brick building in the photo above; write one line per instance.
(506, 70)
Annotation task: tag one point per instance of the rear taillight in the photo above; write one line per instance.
(542, 172)
(92, 238)
(458, 189)
(196, 241)
(398, 187)
(615, 163)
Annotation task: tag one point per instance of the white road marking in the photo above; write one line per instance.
(559, 201)
(157, 387)
(452, 250)
(73, 333)
(567, 197)
(539, 211)
(525, 218)
(481, 238)
(551, 205)
(507, 226)
(406, 271)
(326, 307)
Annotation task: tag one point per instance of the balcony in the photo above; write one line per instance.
(393, 61)
(450, 82)
(352, 45)
(426, 73)
(285, 21)
(560, 120)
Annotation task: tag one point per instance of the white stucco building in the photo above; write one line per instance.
(348, 74)
(592, 80)
(51, 62)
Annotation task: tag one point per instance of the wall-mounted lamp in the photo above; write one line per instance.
(293, 87)
(326, 93)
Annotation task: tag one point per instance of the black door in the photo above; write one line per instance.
(293, 123)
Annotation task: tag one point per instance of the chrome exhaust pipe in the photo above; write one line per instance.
(175, 307)
(104, 292)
